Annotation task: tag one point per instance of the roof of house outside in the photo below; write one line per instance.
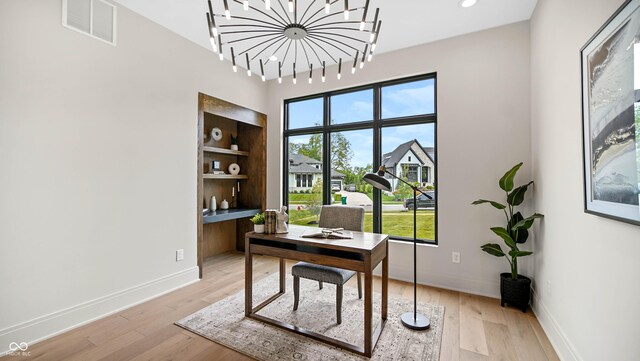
(296, 158)
(391, 159)
(304, 168)
(431, 152)
(299, 163)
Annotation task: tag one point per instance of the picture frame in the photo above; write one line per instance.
(610, 65)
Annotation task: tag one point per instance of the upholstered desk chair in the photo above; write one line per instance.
(349, 218)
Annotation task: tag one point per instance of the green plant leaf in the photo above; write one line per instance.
(515, 253)
(493, 203)
(526, 223)
(504, 234)
(516, 197)
(506, 182)
(493, 249)
(518, 235)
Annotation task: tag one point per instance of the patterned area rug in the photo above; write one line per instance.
(224, 323)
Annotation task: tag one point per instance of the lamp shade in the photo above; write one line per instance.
(377, 181)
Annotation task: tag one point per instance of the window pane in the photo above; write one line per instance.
(399, 145)
(305, 179)
(306, 113)
(408, 99)
(352, 107)
(351, 159)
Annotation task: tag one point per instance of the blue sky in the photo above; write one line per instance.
(397, 100)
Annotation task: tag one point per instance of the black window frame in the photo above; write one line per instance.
(377, 124)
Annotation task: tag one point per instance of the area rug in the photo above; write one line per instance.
(224, 323)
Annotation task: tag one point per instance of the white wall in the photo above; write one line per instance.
(592, 310)
(483, 130)
(98, 164)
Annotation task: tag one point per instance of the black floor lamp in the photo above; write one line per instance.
(412, 320)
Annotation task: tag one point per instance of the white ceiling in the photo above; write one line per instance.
(406, 23)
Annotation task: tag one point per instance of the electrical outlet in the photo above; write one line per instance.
(179, 255)
(455, 257)
(548, 287)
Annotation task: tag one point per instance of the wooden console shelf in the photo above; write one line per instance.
(225, 151)
(224, 176)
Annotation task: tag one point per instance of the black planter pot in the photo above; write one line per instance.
(516, 293)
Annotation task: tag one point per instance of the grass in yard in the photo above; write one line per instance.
(393, 223)
(386, 199)
(303, 198)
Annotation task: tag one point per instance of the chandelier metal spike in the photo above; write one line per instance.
(283, 37)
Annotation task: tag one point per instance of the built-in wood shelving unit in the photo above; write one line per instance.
(224, 230)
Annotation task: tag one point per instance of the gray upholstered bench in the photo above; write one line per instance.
(349, 218)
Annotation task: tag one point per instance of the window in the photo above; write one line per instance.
(426, 175)
(333, 139)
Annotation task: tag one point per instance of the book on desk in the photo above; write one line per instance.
(329, 233)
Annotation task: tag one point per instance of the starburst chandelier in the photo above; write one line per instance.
(289, 37)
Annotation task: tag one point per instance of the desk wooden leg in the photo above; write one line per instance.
(283, 273)
(248, 279)
(368, 307)
(385, 285)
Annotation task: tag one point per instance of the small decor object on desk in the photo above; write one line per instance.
(283, 218)
(216, 134)
(515, 289)
(270, 221)
(258, 223)
(234, 169)
(224, 204)
(234, 142)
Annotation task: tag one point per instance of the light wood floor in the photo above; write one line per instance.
(475, 328)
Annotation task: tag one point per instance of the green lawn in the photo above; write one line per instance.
(393, 223)
(386, 199)
(301, 198)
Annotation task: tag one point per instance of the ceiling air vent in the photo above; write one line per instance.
(96, 18)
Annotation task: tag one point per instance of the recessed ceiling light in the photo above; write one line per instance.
(467, 3)
(273, 58)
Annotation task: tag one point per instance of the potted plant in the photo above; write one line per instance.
(234, 142)
(258, 223)
(515, 289)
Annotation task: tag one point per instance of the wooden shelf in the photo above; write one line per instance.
(222, 215)
(224, 176)
(225, 151)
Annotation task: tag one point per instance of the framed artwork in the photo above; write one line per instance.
(611, 117)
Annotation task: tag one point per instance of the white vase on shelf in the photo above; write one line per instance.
(234, 147)
(213, 204)
(224, 204)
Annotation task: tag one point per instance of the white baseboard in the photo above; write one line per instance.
(559, 340)
(55, 323)
(472, 286)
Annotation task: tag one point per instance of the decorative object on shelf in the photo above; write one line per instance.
(215, 165)
(276, 40)
(258, 223)
(611, 117)
(412, 320)
(270, 221)
(234, 142)
(205, 211)
(283, 218)
(213, 204)
(216, 134)
(515, 289)
(224, 204)
(234, 169)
